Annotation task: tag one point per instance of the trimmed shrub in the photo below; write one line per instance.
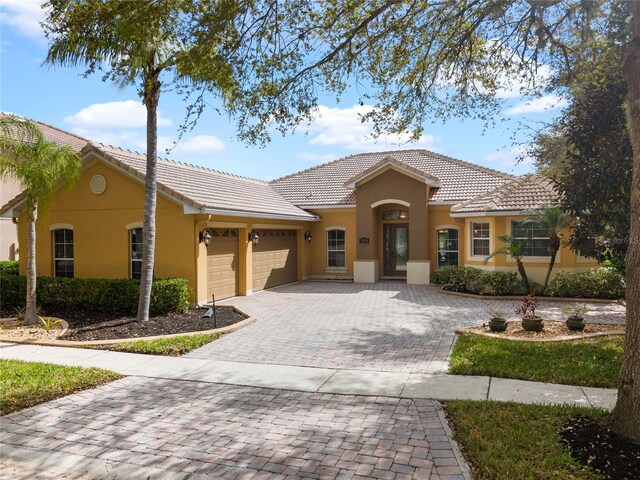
(481, 282)
(503, 283)
(100, 295)
(443, 275)
(603, 282)
(9, 267)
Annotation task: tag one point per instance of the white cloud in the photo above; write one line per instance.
(200, 144)
(341, 127)
(317, 157)
(514, 87)
(125, 114)
(515, 160)
(542, 104)
(24, 15)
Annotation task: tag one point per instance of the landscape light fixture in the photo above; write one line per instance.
(205, 237)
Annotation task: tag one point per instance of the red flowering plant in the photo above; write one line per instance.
(528, 306)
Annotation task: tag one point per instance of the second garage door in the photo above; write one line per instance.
(222, 264)
(275, 259)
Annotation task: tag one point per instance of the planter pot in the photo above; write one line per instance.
(497, 324)
(532, 324)
(576, 324)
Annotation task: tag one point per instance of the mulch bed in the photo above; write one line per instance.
(595, 446)
(552, 329)
(84, 327)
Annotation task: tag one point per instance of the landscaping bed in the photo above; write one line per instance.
(553, 330)
(588, 362)
(102, 326)
(24, 384)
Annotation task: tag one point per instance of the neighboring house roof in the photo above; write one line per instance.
(523, 193)
(327, 184)
(203, 189)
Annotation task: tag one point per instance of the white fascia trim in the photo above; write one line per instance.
(318, 207)
(390, 200)
(443, 202)
(504, 213)
(243, 214)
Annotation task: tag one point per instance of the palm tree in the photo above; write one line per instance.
(514, 248)
(553, 219)
(40, 167)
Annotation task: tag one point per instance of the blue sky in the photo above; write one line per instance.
(100, 111)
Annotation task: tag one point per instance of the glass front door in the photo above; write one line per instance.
(396, 249)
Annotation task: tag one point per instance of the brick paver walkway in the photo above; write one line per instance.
(239, 432)
(386, 326)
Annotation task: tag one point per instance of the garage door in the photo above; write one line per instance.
(222, 264)
(275, 259)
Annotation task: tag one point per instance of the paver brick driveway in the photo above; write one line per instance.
(239, 432)
(386, 326)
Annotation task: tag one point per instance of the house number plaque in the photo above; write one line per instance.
(364, 239)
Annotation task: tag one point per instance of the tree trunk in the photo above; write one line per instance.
(625, 418)
(31, 312)
(523, 274)
(552, 262)
(151, 99)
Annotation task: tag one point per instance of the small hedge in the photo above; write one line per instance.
(603, 282)
(9, 267)
(102, 295)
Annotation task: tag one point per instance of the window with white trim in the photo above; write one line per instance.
(480, 239)
(336, 249)
(535, 239)
(63, 252)
(447, 242)
(135, 255)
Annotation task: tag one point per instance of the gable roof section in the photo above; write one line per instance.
(391, 163)
(325, 185)
(523, 193)
(204, 190)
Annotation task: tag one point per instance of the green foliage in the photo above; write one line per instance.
(173, 346)
(589, 362)
(507, 441)
(118, 296)
(9, 267)
(48, 323)
(603, 282)
(24, 384)
(478, 281)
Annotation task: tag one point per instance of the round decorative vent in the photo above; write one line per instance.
(98, 184)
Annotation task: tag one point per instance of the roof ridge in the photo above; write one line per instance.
(48, 125)
(315, 167)
(185, 164)
(492, 171)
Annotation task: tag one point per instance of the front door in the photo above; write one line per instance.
(396, 249)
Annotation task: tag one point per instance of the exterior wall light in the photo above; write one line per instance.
(205, 237)
(307, 236)
(254, 237)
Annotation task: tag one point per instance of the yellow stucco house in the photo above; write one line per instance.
(399, 214)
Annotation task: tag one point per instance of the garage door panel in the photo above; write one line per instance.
(275, 259)
(222, 264)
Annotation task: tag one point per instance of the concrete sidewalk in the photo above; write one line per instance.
(322, 380)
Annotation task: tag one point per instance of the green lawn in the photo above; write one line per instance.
(589, 362)
(173, 346)
(24, 384)
(514, 441)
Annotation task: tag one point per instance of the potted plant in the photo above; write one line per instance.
(530, 321)
(575, 316)
(497, 322)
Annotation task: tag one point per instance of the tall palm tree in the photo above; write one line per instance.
(40, 167)
(553, 219)
(514, 248)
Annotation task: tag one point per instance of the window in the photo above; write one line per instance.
(447, 247)
(336, 256)
(63, 253)
(480, 239)
(135, 241)
(534, 238)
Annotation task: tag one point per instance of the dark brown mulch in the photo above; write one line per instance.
(83, 327)
(594, 445)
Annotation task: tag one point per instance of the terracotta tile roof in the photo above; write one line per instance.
(390, 161)
(55, 135)
(325, 184)
(206, 188)
(523, 193)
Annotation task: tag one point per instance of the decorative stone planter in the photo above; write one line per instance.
(576, 324)
(497, 324)
(532, 323)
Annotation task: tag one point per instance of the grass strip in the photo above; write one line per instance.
(172, 346)
(24, 384)
(503, 440)
(588, 362)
